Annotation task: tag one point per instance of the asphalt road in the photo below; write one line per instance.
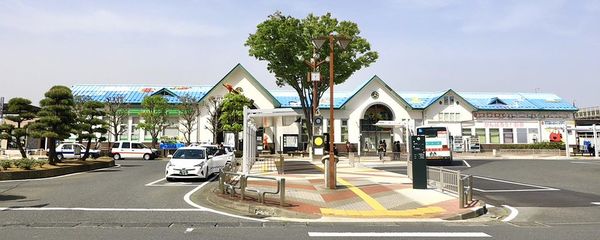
(133, 202)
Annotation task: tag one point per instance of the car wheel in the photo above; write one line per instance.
(117, 156)
(147, 156)
(60, 156)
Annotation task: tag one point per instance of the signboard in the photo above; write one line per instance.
(458, 144)
(419, 164)
(474, 145)
(315, 76)
(520, 115)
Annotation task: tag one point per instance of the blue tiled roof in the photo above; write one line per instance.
(290, 99)
(134, 94)
(420, 100)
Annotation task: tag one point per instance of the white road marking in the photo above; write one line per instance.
(466, 163)
(514, 190)
(398, 234)
(513, 213)
(57, 177)
(189, 230)
(591, 163)
(153, 182)
(187, 196)
(103, 209)
(537, 188)
(596, 203)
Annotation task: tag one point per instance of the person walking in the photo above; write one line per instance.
(380, 151)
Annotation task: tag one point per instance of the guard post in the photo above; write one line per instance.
(419, 163)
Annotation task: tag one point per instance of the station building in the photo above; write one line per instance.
(373, 112)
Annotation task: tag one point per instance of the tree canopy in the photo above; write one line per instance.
(155, 116)
(56, 119)
(90, 122)
(20, 110)
(285, 43)
(232, 112)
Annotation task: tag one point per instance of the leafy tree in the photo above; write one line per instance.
(214, 113)
(232, 112)
(189, 109)
(116, 114)
(90, 122)
(283, 40)
(155, 116)
(20, 110)
(56, 119)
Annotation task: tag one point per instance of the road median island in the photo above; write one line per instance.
(363, 194)
(63, 168)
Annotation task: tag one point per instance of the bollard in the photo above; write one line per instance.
(281, 165)
(461, 193)
(282, 192)
(494, 153)
(221, 182)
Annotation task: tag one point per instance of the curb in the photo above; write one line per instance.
(473, 213)
(46, 173)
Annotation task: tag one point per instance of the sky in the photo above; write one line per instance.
(424, 45)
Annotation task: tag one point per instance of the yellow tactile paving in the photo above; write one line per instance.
(418, 212)
(364, 196)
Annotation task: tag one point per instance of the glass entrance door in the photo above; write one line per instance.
(370, 141)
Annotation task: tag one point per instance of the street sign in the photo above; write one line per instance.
(419, 163)
(315, 76)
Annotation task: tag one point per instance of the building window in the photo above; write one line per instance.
(494, 135)
(466, 132)
(480, 133)
(125, 133)
(451, 100)
(508, 135)
(522, 135)
(446, 100)
(533, 134)
(135, 131)
(344, 130)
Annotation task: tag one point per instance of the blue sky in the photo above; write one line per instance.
(507, 46)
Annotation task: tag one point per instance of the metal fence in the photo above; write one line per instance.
(249, 138)
(453, 182)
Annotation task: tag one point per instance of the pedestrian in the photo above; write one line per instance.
(384, 147)
(380, 151)
(348, 147)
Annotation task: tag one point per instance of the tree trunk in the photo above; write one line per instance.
(21, 149)
(52, 160)
(87, 149)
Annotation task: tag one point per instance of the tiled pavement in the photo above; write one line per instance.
(362, 193)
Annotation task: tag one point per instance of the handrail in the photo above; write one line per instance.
(453, 182)
(226, 186)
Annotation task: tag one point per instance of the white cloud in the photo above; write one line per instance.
(21, 17)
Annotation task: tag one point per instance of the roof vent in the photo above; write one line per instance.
(496, 101)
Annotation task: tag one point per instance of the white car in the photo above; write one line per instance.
(135, 150)
(193, 162)
(214, 150)
(74, 150)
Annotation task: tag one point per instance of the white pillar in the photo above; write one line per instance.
(245, 152)
(596, 150)
(567, 149)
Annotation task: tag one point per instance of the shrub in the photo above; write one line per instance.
(25, 163)
(6, 164)
(41, 162)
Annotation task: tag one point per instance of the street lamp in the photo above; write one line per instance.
(318, 43)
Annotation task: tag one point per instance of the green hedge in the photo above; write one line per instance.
(6, 164)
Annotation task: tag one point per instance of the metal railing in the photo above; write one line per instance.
(453, 182)
(229, 182)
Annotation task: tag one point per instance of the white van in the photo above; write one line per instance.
(132, 150)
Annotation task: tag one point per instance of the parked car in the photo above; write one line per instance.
(193, 163)
(214, 150)
(133, 150)
(74, 150)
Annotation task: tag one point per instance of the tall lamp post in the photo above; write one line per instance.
(343, 42)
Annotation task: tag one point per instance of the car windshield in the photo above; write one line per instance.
(189, 154)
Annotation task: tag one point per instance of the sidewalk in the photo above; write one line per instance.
(363, 193)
